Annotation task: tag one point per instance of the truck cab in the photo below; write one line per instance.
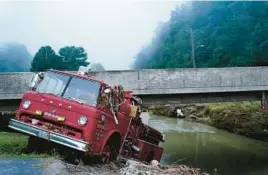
(77, 111)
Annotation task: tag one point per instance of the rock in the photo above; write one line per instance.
(113, 166)
(193, 117)
(154, 163)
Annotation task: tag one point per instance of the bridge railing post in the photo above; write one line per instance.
(264, 100)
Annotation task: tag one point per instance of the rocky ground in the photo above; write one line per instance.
(126, 167)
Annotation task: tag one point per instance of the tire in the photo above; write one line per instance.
(110, 151)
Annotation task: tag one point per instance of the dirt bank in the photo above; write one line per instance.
(244, 118)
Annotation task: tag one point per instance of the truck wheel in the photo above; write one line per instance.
(110, 152)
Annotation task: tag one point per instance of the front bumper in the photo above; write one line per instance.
(48, 135)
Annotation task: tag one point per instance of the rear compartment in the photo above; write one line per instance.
(149, 151)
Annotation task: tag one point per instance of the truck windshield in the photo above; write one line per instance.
(80, 90)
(84, 91)
(53, 83)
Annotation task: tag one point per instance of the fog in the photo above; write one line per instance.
(111, 32)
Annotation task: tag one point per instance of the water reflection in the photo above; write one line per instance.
(20, 166)
(208, 148)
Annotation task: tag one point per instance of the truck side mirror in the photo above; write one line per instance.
(37, 77)
(34, 81)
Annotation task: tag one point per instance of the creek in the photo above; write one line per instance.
(212, 150)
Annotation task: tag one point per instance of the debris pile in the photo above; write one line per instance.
(133, 167)
(125, 167)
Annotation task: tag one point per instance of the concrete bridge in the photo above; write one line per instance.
(165, 86)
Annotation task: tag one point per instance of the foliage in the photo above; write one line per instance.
(73, 57)
(46, 58)
(70, 58)
(14, 57)
(242, 118)
(232, 33)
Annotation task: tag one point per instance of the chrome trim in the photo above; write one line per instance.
(48, 135)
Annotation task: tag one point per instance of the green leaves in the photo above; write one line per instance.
(73, 57)
(232, 33)
(70, 58)
(44, 59)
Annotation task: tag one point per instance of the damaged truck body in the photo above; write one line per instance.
(91, 118)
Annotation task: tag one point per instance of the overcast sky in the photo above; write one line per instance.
(112, 32)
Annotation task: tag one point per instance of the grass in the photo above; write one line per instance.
(23, 155)
(14, 145)
(244, 106)
(245, 118)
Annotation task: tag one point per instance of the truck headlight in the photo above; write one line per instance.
(26, 104)
(82, 120)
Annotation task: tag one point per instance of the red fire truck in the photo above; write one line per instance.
(73, 110)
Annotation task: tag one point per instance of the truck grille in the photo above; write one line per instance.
(51, 126)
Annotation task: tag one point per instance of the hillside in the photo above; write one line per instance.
(224, 34)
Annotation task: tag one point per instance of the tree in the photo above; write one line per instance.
(97, 67)
(14, 57)
(73, 57)
(231, 33)
(46, 58)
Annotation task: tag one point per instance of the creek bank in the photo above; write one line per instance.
(243, 118)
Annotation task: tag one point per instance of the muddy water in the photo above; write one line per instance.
(211, 149)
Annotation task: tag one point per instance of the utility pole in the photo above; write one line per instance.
(192, 43)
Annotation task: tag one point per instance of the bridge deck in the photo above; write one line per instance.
(166, 83)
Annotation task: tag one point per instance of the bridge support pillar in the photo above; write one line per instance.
(264, 100)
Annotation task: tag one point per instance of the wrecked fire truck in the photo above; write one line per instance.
(75, 111)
